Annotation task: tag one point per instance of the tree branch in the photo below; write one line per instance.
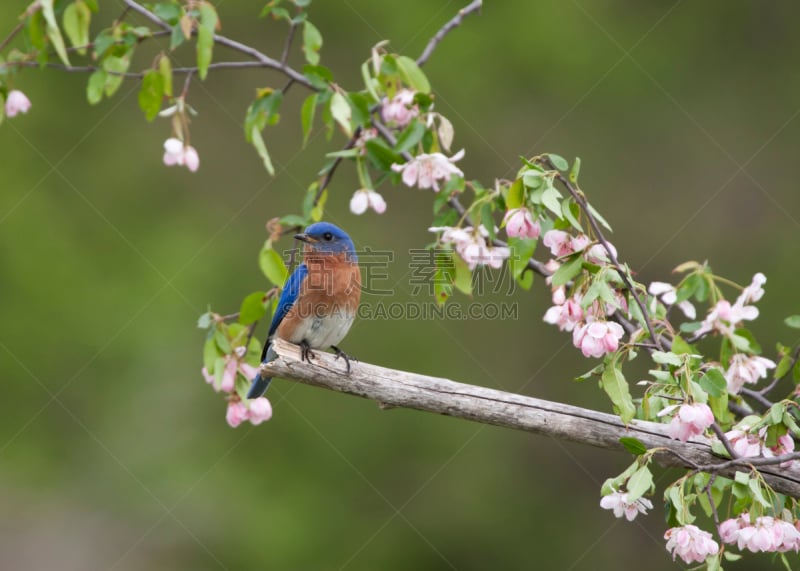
(478, 404)
(260, 57)
(473, 6)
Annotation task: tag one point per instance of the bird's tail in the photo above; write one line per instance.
(260, 382)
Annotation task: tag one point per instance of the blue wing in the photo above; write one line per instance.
(291, 289)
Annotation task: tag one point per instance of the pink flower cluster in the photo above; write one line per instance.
(473, 247)
(563, 244)
(749, 445)
(690, 420)
(521, 224)
(176, 153)
(367, 198)
(746, 369)
(766, 534)
(596, 338)
(16, 103)
(724, 317)
(565, 313)
(618, 502)
(256, 410)
(400, 109)
(690, 543)
(426, 170)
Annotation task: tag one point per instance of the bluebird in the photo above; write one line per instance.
(319, 300)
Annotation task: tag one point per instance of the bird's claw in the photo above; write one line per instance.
(306, 354)
(345, 356)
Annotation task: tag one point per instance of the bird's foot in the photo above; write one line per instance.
(306, 354)
(343, 355)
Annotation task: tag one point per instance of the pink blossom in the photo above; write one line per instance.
(598, 255)
(472, 246)
(669, 295)
(233, 364)
(520, 224)
(366, 135)
(746, 369)
(399, 110)
(366, 198)
(566, 315)
(176, 153)
(766, 534)
(207, 376)
(743, 443)
(724, 317)
(426, 170)
(754, 291)
(563, 244)
(749, 445)
(16, 103)
(260, 410)
(690, 543)
(237, 413)
(596, 338)
(690, 420)
(618, 502)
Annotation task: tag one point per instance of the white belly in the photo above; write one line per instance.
(322, 332)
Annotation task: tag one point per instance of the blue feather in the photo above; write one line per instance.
(291, 290)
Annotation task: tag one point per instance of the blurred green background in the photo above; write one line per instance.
(114, 454)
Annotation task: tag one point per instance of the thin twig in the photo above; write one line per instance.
(329, 175)
(260, 57)
(473, 6)
(136, 74)
(577, 195)
(287, 46)
(769, 387)
(749, 461)
(34, 7)
(724, 439)
(756, 396)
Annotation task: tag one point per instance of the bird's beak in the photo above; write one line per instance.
(305, 238)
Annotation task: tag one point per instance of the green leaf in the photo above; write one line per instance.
(463, 275)
(515, 195)
(551, 198)
(312, 42)
(522, 250)
(165, 69)
(758, 494)
(713, 382)
(670, 358)
(95, 86)
(52, 30)
(568, 270)
(151, 94)
(615, 385)
(570, 211)
(410, 136)
(253, 308)
(633, 445)
(168, 11)
(307, 113)
(340, 109)
(115, 67)
(639, 483)
(412, 74)
(383, 157)
(599, 217)
(210, 354)
(681, 347)
(205, 321)
(576, 171)
(205, 37)
(75, 20)
(558, 161)
(793, 321)
(261, 149)
(272, 265)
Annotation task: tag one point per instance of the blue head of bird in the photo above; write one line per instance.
(327, 238)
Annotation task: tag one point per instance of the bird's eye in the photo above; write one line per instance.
(327, 236)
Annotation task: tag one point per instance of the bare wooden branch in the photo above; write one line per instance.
(479, 404)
